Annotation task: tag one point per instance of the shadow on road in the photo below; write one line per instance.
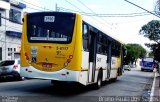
(66, 90)
(8, 79)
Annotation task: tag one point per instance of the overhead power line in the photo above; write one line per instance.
(36, 5)
(107, 15)
(91, 10)
(86, 13)
(73, 5)
(143, 8)
(35, 9)
(102, 22)
(86, 6)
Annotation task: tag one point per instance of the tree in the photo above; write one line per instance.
(155, 50)
(134, 51)
(151, 54)
(151, 30)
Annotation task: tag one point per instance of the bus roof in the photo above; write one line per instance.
(48, 12)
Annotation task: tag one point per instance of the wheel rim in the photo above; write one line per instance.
(99, 82)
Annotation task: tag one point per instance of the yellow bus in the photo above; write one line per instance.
(62, 47)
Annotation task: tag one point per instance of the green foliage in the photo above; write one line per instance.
(152, 31)
(151, 54)
(134, 51)
(155, 50)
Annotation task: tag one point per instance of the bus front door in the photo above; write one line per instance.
(92, 56)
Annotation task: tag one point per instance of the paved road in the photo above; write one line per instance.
(132, 83)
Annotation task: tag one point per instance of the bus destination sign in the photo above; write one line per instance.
(49, 18)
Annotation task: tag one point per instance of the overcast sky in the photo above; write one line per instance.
(126, 29)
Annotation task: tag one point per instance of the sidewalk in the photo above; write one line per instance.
(155, 92)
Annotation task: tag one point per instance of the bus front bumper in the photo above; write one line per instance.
(147, 68)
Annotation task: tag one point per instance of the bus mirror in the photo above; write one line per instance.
(125, 53)
(23, 20)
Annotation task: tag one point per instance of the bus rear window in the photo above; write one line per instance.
(50, 27)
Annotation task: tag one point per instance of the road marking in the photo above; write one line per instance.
(153, 87)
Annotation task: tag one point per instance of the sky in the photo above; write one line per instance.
(125, 29)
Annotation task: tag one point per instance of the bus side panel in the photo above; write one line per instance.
(102, 63)
(83, 77)
(114, 67)
(120, 62)
(24, 62)
(77, 54)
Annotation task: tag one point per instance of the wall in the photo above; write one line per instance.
(10, 44)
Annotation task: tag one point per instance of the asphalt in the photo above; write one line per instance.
(134, 85)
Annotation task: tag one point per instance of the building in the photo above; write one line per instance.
(11, 13)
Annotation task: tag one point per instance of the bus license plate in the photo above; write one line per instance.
(48, 65)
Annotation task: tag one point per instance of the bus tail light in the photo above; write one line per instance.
(70, 56)
(27, 58)
(65, 64)
(68, 60)
(26, 54)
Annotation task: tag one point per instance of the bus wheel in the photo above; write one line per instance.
(99, 81)
(114, 79)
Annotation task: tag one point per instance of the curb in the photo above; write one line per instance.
(153, 89)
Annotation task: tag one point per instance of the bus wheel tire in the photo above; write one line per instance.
(114, 79)
(99, 81)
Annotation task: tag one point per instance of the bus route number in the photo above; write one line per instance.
(49, 18)
(58, 52)
(62, 48)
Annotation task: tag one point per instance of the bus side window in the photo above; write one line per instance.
(113, 52)
(85, 37)
(99, 48)
(118, 50)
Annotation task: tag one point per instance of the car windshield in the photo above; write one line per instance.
(7, 63)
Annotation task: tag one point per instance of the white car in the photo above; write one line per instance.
(127, 67)
(10, 68)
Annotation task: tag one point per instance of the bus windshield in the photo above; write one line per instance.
(50, 27)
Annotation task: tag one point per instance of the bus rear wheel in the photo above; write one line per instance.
(99, 81)
(114, 79)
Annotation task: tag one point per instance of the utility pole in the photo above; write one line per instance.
(56, 8)
(5, 34)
